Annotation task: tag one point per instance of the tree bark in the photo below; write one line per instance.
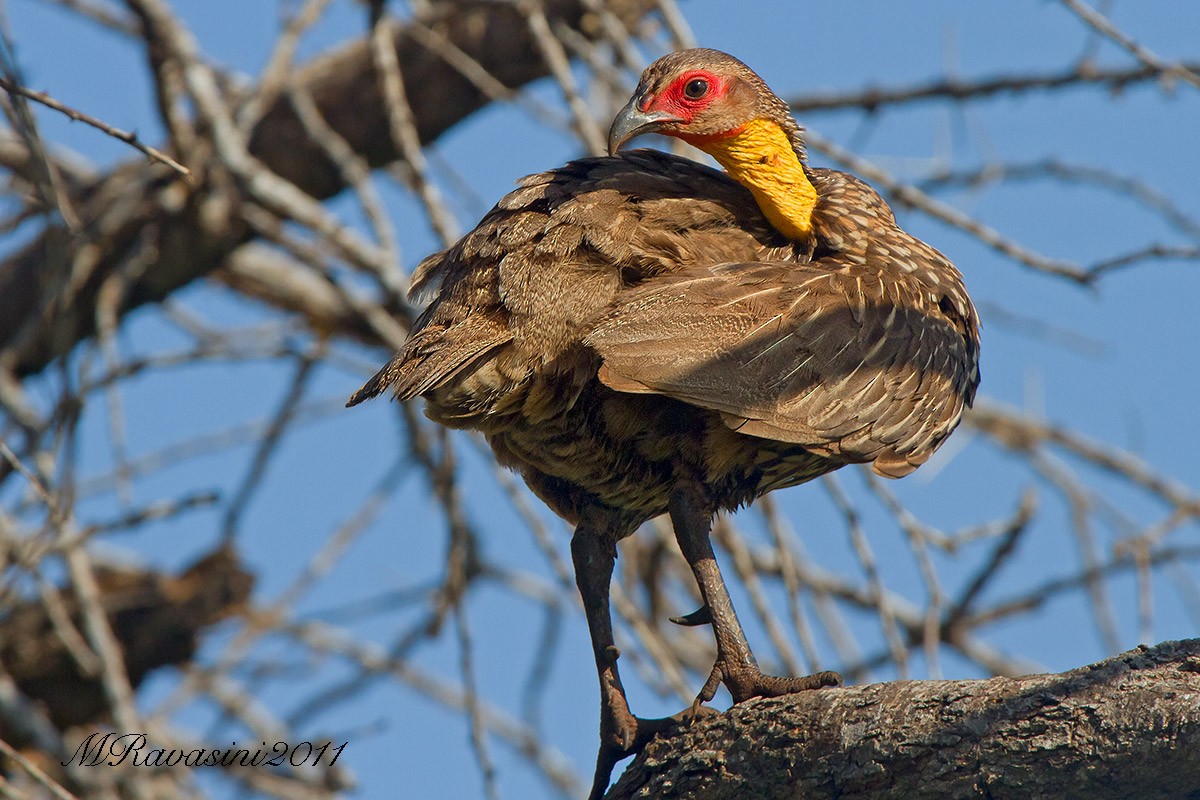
(139, 211)
(1128, 727)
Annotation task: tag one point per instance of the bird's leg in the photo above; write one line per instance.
(691, 517)
(593, 552)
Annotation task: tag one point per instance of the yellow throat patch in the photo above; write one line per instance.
(760, 157)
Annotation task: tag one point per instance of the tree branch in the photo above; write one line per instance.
(1125, 727)
(76, 115)
(874, 98)
(47, 295)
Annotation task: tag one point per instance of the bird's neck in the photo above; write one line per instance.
(760, 156)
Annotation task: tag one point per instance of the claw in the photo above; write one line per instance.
(628, 738)
(701, 616)
(709, 690)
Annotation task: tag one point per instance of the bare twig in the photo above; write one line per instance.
(35, 772)
(127, 137)
(957, 89)
(1102, 25)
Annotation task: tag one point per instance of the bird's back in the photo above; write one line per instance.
(604, 325)
(516, 296)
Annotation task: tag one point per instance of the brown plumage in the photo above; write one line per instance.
(634, 337)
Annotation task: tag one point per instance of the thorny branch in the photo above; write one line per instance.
(214, 421)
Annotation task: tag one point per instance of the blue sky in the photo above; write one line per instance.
(1130, 377)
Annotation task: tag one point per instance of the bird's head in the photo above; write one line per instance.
(718, 104)
(701, 96)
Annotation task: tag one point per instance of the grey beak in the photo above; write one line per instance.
(632, 121)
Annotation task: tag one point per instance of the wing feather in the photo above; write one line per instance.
(824, 355)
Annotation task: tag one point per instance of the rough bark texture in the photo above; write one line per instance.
(1128, 727)
(191, 230)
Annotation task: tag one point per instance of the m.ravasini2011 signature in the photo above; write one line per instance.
(116, 749)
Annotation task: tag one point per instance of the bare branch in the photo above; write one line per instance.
(913, 738)
(128, 138)
(958, 89)
(1102, 25)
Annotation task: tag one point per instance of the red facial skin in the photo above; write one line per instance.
(674, 101)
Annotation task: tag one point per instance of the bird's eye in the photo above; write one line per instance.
(696, 88)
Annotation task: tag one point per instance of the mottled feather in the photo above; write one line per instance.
(615, 321)
(853, 355)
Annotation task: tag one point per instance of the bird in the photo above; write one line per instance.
(639, 333)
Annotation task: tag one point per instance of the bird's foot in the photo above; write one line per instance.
(623, 735)
(747, 681)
